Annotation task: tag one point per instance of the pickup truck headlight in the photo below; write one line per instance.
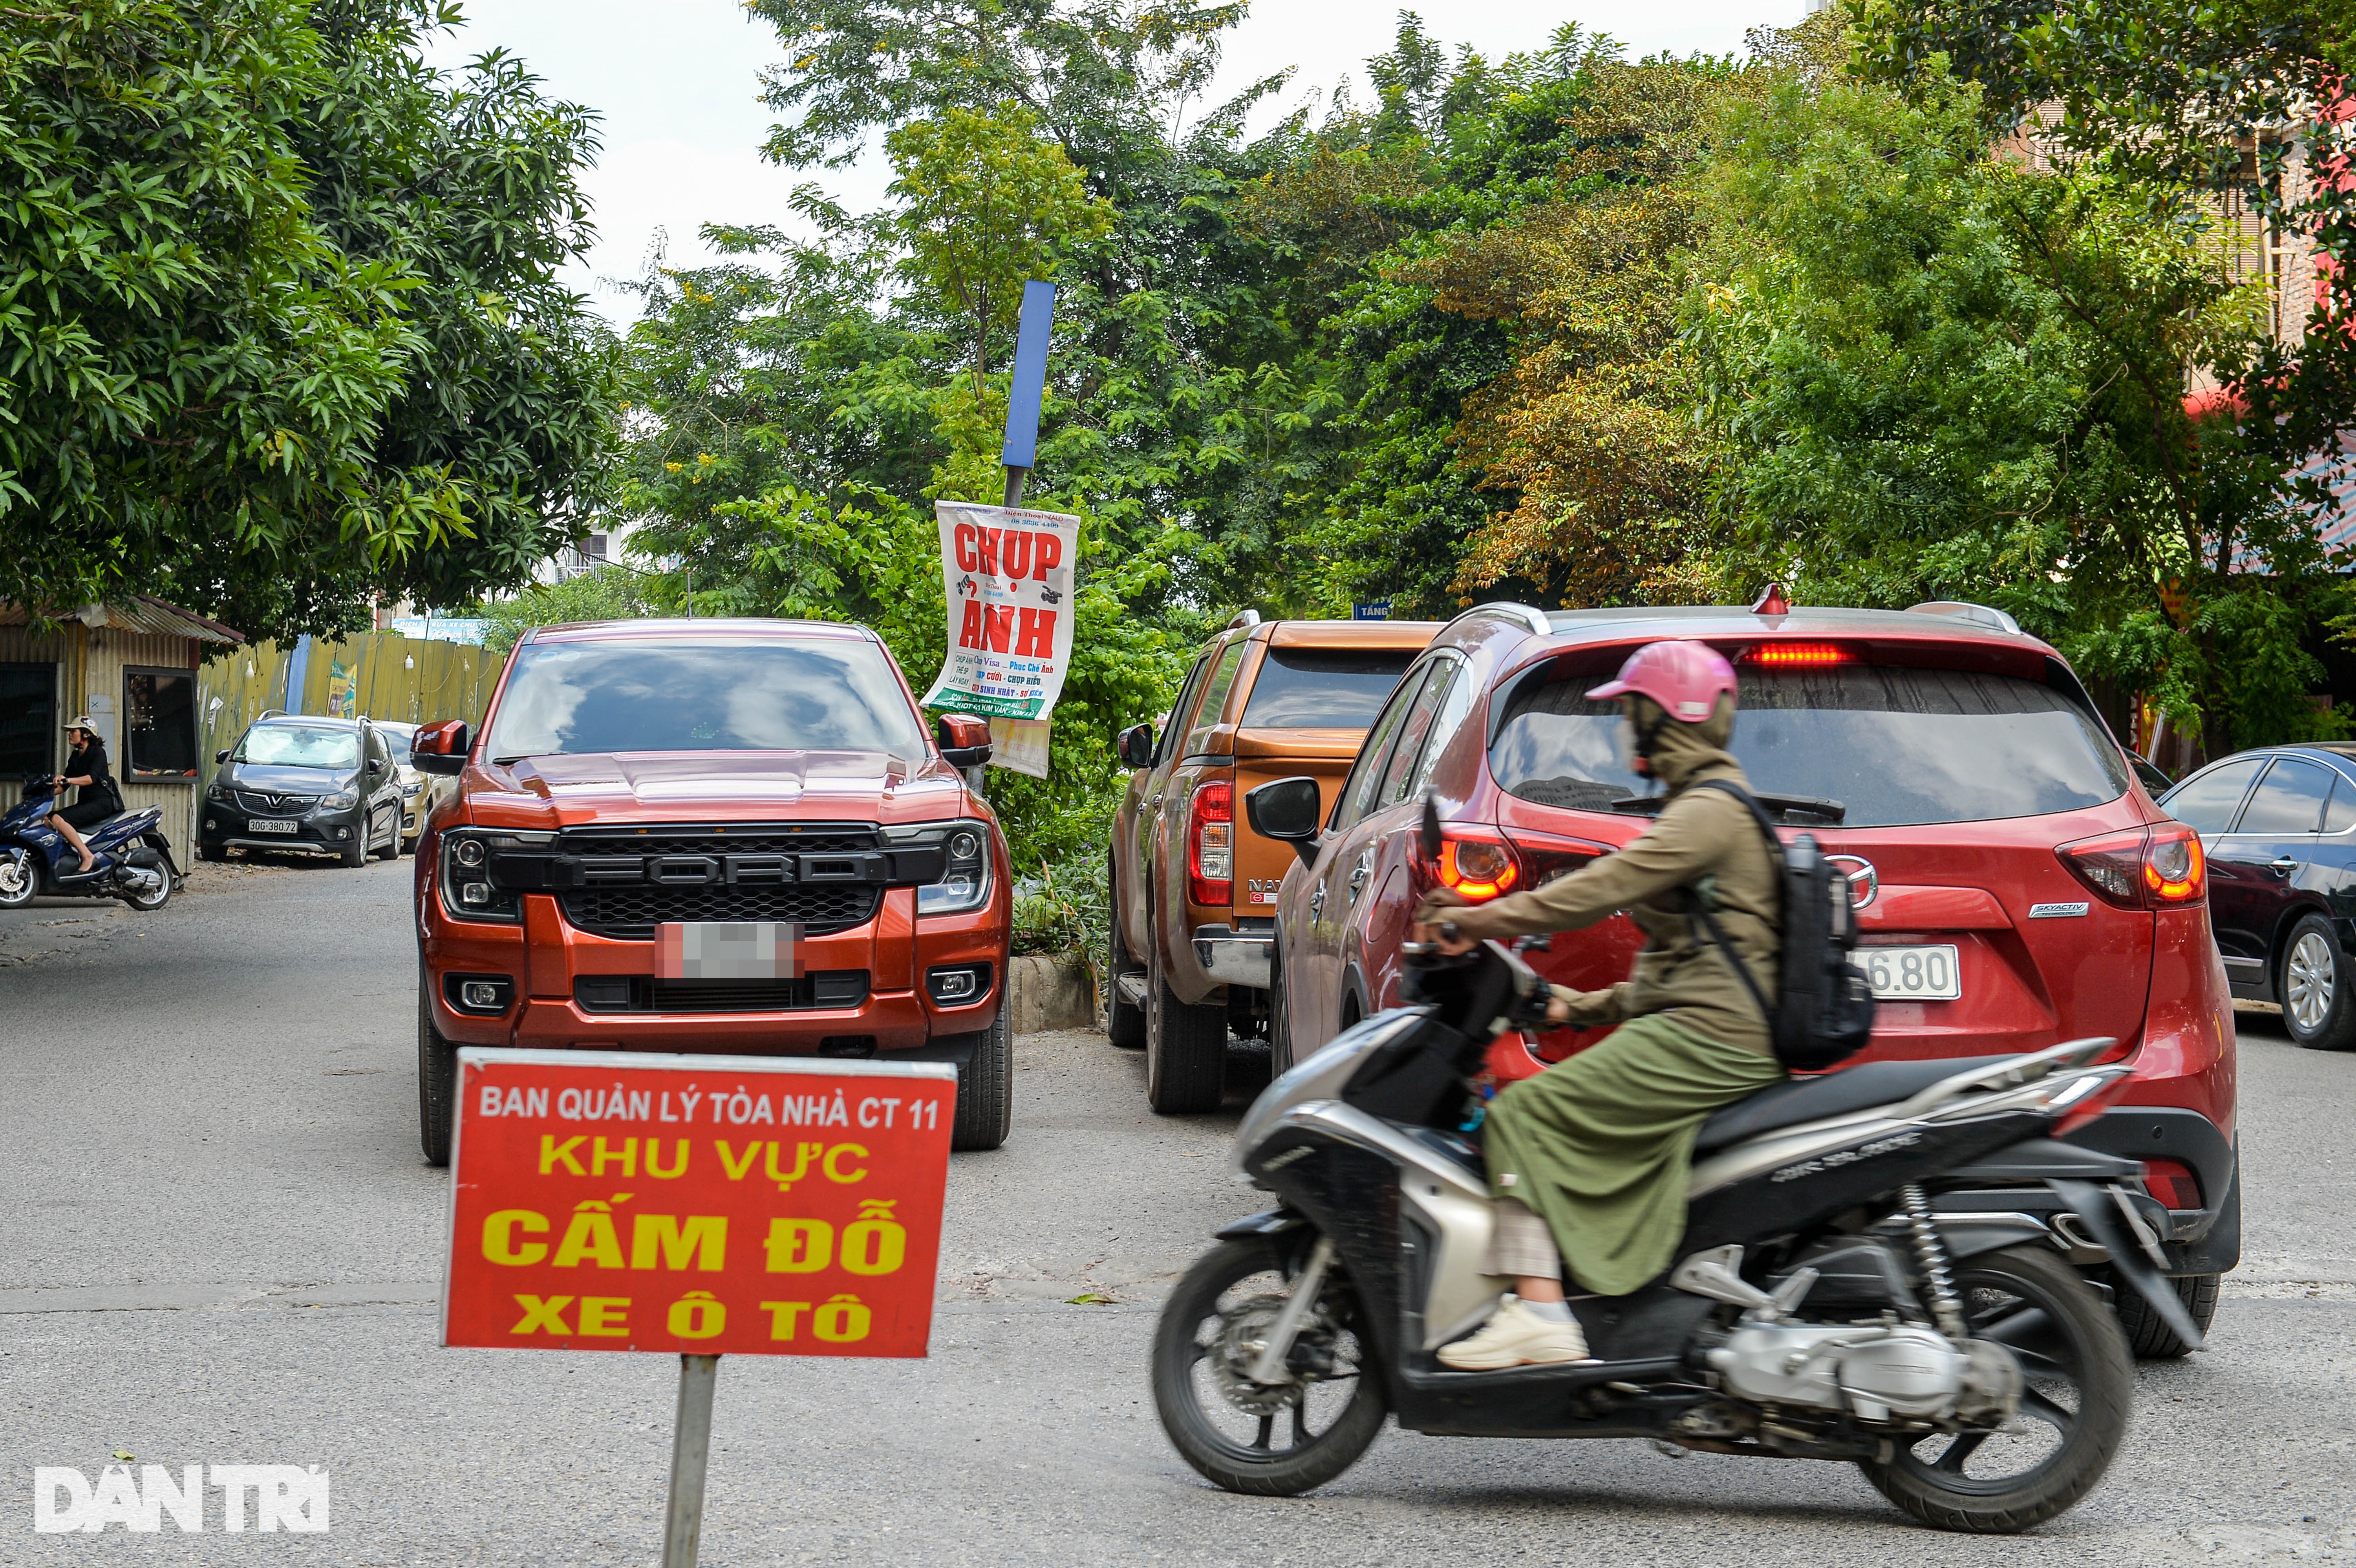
(964, 886)
(468, 890)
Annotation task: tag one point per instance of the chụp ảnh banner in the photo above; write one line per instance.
(1009, 575)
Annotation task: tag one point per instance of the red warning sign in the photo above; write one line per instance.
(702, 1205)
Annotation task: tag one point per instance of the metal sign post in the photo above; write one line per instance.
(690, 1450)
(1027, 386)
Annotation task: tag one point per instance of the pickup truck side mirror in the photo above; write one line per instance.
(1286, 811)
(441, 748)
(1136, 747)
(963, 739)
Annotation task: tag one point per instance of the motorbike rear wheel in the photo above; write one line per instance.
(155, 898)
(1229, 1428)
(2073, 1411)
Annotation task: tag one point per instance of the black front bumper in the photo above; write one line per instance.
(221, 826)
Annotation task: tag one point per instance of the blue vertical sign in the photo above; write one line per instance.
(1029, 375)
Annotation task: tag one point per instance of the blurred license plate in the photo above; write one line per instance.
(1912, 974)
(267, 826)
(728, 950)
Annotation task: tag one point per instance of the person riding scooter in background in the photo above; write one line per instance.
(1589, 1161)
(87, 768)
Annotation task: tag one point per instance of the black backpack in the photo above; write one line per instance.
(1824, 1003)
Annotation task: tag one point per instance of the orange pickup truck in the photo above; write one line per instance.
(1193, 888)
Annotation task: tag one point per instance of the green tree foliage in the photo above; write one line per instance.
(1561, 327)
(278, 313)
(612, 593)
(1946, 374)
(986, 204)
(1409, 234)
(2189, 101)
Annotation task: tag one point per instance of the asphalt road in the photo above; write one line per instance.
(218, 1245)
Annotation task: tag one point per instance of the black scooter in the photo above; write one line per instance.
(1818, 1308)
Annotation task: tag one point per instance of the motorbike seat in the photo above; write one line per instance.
(1857, 1088)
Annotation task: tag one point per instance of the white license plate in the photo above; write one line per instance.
(270, 827)
(728, 950)
(1912, 974)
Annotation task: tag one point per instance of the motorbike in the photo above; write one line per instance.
(1818, 1306)
(132, 859)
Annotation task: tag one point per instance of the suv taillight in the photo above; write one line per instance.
(1211, 844)
(2159, 867)
(1478, 867)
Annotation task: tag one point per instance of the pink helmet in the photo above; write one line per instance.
(1686, 679)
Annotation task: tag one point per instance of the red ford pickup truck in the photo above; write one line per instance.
(731, 836)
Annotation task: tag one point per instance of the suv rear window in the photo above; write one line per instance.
(1324, 688)
(633, 696)
(1896, 746)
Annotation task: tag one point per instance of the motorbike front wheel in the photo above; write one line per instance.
(2073, 1411)
(1271, 1440)
(21, 878)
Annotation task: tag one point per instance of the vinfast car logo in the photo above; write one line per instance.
(286, 1497)
(1864, 881)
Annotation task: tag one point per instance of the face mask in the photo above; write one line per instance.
(1624, 739)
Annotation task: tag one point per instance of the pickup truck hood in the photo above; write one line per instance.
(672, 787)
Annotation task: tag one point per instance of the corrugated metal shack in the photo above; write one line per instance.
(133, 668)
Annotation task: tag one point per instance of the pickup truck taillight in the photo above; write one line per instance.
(1211, 844)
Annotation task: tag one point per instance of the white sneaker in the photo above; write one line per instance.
(1516, 1337)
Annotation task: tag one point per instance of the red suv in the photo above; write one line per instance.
(2016, 885)
(730, 836)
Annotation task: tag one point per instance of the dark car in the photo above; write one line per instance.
(2279, 825)
(326, 787)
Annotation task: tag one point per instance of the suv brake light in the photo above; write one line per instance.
(1798, 655)
(1211, 844)
(2159, 867)
(1478, 868)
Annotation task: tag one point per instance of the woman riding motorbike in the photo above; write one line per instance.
(1588, 1160)
(87, 768)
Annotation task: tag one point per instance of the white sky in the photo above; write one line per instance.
(677, 83)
